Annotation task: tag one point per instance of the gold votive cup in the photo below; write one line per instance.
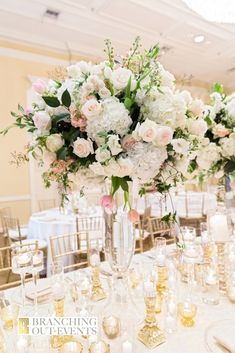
(56, 342)
(58, 306)
(111, 326)
(187, 312)
(72, 346)
(99, 347)
(9, 315)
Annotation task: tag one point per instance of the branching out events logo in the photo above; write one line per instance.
(61, 326)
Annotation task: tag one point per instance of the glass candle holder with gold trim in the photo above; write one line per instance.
(9, 315)
(187, 312)
(58, 296)
(72, 346)
(99, 347)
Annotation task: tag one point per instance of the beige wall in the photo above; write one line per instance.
(15, 182)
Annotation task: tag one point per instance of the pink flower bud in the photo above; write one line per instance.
(133, 216)
(28, 110)
(39, 86)
(107, 202)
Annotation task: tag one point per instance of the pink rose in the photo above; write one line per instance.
(164, 135)
(39, 86)
(220, 130)
(107, 201)
(77, 120)
(128, 142)
(28, 110)
(133, 216)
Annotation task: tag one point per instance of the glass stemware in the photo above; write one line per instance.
(21, 264)
(37, 266)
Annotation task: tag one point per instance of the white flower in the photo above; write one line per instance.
(104, 92)
(217, 102)
(180, 146)
(167, 79)
(231, 108)
(126, 167)
(107, 72)
(67, 84)
(113, 117)
(112, 168)
(196, 107)
(91, 109)
(147, 160)
(120, 78)
(228, 146)
(42, 121)
(147, 130)
(197, 127)
(102, 155)
(186, 97)
(54, 142)
(164, 135)
(97, 168)
(78, 70)
(220, 130)
(82, 147)
(114, 145)
(208, 155)
(48, 157)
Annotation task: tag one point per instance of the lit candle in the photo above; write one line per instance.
(149, 288)
(160, 259)
(211, 278)
(219, 227)
(72, 347)
(127, 347)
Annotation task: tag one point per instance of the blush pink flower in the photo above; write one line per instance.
(77, 120)
(107, 201)
(133, 216)
(39, 86)
(28, 110)
(128, 142)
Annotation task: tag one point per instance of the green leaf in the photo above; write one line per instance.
(124, 185)
(62, 153)
(128, 102)
(229, 167)
(66, 98)
(208, 120)
(115, 184)
(14, 114)
(128, 89)
(60, 117)
(21, 109)
(218, 88)
(51, 101)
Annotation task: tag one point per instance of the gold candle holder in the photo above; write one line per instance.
(97, 291)
(9, 315)
(111, 326)
(99, 347)
(187, 311)
(221, 266)
(158, 304)
(162, 273)
(56, 342)
(150, 334)
(59, 306)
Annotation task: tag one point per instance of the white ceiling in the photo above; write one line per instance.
(83, 25)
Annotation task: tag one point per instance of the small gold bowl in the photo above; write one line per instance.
(9, 315)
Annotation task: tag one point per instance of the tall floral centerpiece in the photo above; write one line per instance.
(121, 118)
(217, 156)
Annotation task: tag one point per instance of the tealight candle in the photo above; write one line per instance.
(72, 347)
(219, 227)
(99, 347)
(127, 347)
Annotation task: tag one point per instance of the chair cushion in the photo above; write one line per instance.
(13, 233)
(42, 244)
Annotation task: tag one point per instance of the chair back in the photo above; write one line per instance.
(46, 204)
(158, 228)
(4, 212)
(69, 247)
(13, 230)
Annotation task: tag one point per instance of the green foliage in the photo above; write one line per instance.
(51, 101)
(66, 99)
(218, 88)
(169, 218)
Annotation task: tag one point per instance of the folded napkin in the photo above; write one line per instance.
(226, 339)
(42, 295)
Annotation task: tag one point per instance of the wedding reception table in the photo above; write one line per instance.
(184, 340)
(52, 222)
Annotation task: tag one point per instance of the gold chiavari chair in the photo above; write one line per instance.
(4, 212)
(158, 228)
(7, 277)
(13, 229)
(46, 204)
(71, 248)
(94, 226)
(142, 236)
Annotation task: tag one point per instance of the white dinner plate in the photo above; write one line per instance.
(215, 329)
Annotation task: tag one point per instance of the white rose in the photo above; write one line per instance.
(97, 168)
(148, 130)
(182, 165)
(84, 66)
(120, 77)
(48, 157)
(186, 97)
(104, 92)
(54, 142)
(102, 155)
(42, 121)
(114, 145)
(91, 109)
(112, 168)
(231, 108)
(164, 135)
(180, 146)
(228, 146)
(82, 147)
(126, 167)
(197, 127)
(197, 107)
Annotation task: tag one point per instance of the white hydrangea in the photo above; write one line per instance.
(231, 108)
(208, 155)
(228, 146)
(147, 160)
(217, 102)
(166, 78)
(67, 84)
(113, 117)
(79, 70)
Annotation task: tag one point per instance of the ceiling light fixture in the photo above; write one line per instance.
(199, 38)
(222, 11)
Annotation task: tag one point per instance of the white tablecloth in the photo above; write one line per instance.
(185, 340)
(52, 222)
